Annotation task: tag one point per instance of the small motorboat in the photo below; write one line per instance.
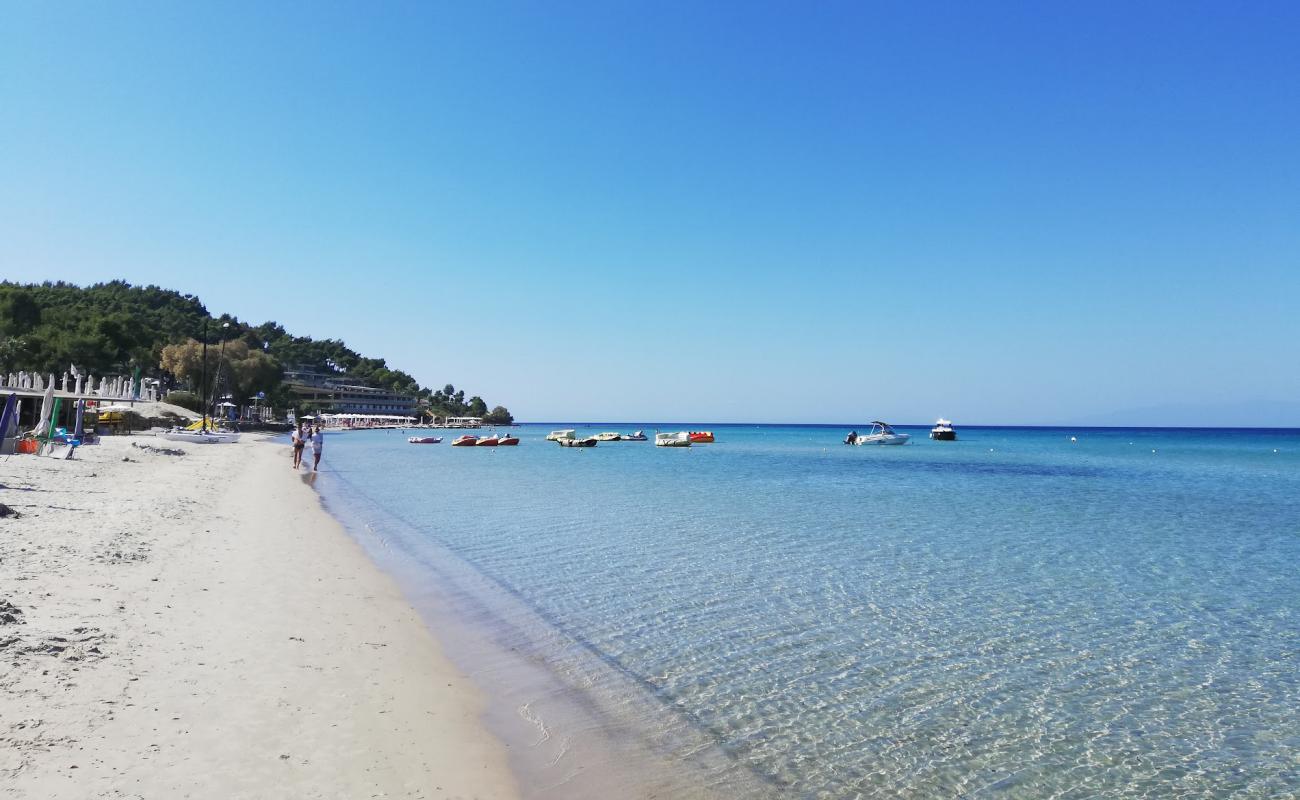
(425, 439)
(943, 432)
(701, 437)
(489, 441)
(608, 436)
(639, 436)
(880, 433)
(555, 436)
(508, 441)
(468, 440)
(590, 441)
(679, 439)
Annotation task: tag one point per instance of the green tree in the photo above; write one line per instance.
(498, 416)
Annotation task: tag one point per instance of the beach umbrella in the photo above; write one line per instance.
(81, 409)
(9, 419)
(47, 409)
(54, 417)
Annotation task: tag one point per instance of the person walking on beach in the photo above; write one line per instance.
(299, 441)
(317, 447)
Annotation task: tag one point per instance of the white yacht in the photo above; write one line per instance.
(943, 432)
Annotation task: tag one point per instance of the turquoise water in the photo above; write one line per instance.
(1012, 614)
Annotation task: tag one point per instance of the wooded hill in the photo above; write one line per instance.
(115, 328)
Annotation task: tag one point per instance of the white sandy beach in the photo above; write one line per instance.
(198, 626)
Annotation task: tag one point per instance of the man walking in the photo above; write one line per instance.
(317, 447)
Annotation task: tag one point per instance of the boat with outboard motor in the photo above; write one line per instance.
(880, 433)
(943, 431)
(608, 436)
(425, 440)
(508, 441)
(638, 436)
(468, 440)
(491, 440)
(590, 441)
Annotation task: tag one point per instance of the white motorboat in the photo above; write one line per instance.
(638, 436)
(678, 439)
(943, 432)
(555, 436)
(880, 433)
(608, 436)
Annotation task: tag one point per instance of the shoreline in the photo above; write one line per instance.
(201, 626)
(575, 724)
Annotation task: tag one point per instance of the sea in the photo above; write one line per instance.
(1021, 613)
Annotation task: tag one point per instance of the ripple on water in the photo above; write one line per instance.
(934, 620)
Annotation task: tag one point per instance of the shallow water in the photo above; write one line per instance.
(1011, 614)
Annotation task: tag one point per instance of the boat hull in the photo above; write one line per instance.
(884, 438)
(944, 436)
(199, 437)
(576, 442)
(425, 439)
(682, 439)
(509, 441)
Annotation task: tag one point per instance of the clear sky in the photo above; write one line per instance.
(822, 212)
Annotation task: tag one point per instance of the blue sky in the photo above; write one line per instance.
(755, 212)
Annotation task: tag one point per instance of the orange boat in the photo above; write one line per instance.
(488, 441)
(465, 441)
(508, 441)
(701, 437)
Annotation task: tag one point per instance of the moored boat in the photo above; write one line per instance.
(701, 437)
(608, 436)
(425, 439)
(491, 440)
(880, 433)
(468, 440)
(590, 441)
(638, 436)
(508, 441)
(555, 436)
(943, 431)
(679, 439)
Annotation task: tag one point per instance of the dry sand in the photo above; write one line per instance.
(198, 626)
